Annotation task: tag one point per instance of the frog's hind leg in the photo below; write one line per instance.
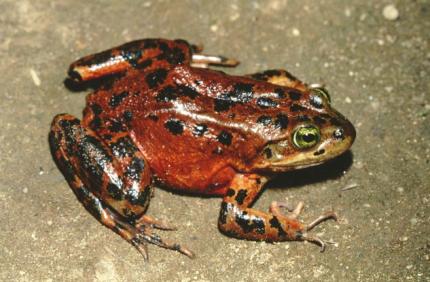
(238, 220)
(112, 182)
(279, 77)
(138, 54)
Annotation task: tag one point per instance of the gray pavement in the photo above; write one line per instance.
(376, 66)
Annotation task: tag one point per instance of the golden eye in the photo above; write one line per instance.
(306, 136)
(322, 92)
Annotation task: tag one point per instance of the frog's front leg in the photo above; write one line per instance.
(138, 54)
(238, 220)
(112, 180)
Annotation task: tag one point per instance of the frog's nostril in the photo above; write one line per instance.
(339, 133)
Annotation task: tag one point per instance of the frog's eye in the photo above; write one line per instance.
(321, 91)
(306, 136)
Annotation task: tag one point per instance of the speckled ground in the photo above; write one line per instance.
(376, 69)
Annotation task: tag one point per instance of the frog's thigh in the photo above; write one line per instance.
(93, 170)
(238, 220)
(87, 166)
(115, 171)
(279, 77)
(62, 143)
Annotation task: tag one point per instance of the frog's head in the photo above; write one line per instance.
(315, 133)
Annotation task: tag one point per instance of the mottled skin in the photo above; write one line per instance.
(167, 118)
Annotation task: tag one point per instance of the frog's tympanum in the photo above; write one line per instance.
(166, 119)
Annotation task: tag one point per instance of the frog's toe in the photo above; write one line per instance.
(313, 239)
(146, 236)
(147, 220)
(275, 209)
(141, 246)
(317, 241)
(327, 215)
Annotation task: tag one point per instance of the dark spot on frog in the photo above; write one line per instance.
(319, 120)
(264, 103)
(271, 73)
(303, 118)
(294, 94)
(153, 117)
(116, 126)
(258, 76)
(163, 46)
(95, 207)
(280, 93)
(200, 129)
(268, 153)
(67, 124)
(144, 196)
(167, 94)
(132, 56)
(130, 215)
(187, 91)
(175, 126)
(265, 120)
(243, 88)
(281, 121)
(54, 142)
(224, 137)
(155, 78)
(128, 116)
(92, 156)
(115, 191)
(107, 137)
(230, 192)
(135, 168)
(225, 209)
(96, 123)
(319, 152)
(150, 43)
(116, 99)
(66, 169)
(316, 101)
(335, 121)
(241, 195)
(339, 134)
(222, 105)
(274, 223)
(296, 108)
(140, 198)
(123, 147)
(144, 64)
(173, 56)
(241, 93)
(248, 224)
(96, 108)
(81, 193)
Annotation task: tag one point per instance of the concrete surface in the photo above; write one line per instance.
(376, 69)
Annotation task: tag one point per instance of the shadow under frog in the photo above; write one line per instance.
(164, 117)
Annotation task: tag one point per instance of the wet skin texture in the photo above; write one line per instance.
(166, 118)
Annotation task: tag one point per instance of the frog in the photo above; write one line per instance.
(162, 117)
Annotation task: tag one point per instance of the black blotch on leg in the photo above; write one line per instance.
(241, 195)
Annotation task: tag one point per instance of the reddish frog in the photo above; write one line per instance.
(167, 119)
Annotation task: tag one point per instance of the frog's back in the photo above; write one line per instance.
(194, 124)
